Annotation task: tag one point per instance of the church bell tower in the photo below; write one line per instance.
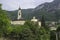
(19, 14)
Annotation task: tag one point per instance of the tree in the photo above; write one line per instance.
(0, 6)
(4, 21)
(27, 34)
(43, 21)
(57, 15)
(53, 35)
(39, 33)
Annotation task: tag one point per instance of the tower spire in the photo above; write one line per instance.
(19, 13)
(19, 8)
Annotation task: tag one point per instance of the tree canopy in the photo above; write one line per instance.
(4, 21)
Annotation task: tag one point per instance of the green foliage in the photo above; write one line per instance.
(57, 12)
(58, 29)
(4, 21)
(53, 35)
(28, 31)
(38, 32)
(0, 6)
(43, 21)
(27, 34)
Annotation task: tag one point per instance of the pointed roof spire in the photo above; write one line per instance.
(19, 8)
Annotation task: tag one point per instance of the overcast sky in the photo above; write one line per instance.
(24, 4)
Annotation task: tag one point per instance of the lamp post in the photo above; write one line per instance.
(56, 36)
(54, 29)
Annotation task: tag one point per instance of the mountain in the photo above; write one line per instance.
(51, 11)
(49, 6)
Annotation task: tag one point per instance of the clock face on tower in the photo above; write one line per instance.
(19, 13)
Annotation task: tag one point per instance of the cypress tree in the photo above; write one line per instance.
(42, 21)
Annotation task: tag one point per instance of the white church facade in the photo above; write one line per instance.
(20, 21)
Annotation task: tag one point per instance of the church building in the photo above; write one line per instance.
(20, 21)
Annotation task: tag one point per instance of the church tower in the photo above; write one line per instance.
(19, 14)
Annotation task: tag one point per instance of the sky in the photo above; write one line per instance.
(23, 4)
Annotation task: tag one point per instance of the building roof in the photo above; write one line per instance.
(21, 19)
